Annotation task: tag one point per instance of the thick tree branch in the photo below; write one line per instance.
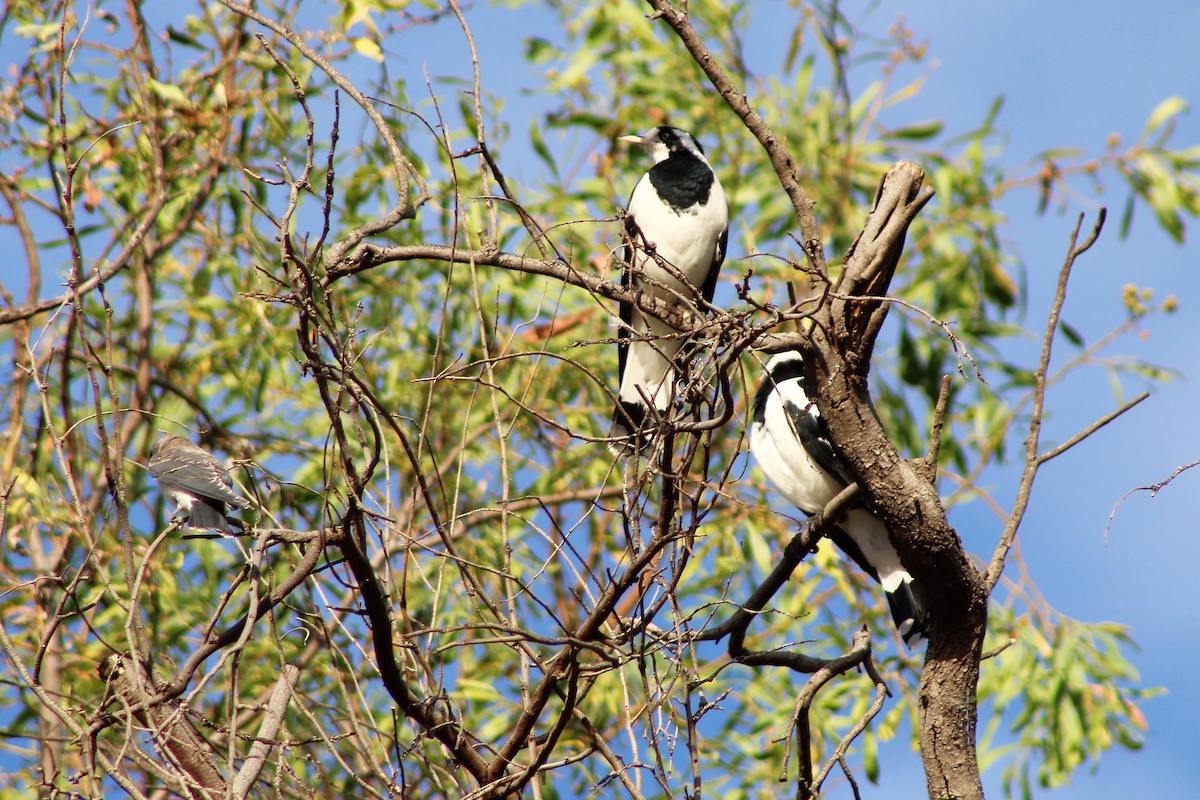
(739, 102)
(901, 492)
(868, 266)
(168, 725)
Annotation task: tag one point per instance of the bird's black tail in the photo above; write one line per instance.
(629, 428)
(910, 613)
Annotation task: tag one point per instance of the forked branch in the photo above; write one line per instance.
(1034, 460)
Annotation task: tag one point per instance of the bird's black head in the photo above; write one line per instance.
(677, 139)
(783, 367)
(786, 366)
(664, 141)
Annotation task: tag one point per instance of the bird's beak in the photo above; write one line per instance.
(632, 138)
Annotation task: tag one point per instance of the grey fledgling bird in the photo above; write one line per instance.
(197, 482)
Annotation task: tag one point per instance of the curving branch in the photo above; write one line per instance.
(310, 558)
(423, 711)
(859, 655)
(797, 550)
(1153, 489)
(739, 102)
(684, 317)
(839, 753)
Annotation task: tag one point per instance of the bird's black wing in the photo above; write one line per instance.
(626, 309)
(627, 415)
(710, 283)
(814, 436)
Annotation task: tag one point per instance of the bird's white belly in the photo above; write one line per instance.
(803, 483)
(687, 240)
(689, 254)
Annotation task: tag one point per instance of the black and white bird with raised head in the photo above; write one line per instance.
(197, 482)
(791, 443)
(676, 231)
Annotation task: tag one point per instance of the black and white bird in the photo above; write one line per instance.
(675, 236)
(197, 482)
(791, 443)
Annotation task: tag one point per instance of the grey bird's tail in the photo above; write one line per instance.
(208, 514)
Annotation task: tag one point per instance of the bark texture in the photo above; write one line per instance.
(902, 492)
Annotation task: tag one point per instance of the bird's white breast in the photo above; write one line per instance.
(686, 239)
(782, 457)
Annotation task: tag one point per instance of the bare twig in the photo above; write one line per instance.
(935, 429)
(1090, 429)
(405, 207)
(313, 550)
(1153, 489)
(860, 653)
(1032, 460)
(997, 650)
(839, 753)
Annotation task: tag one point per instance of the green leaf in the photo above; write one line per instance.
(172, 95)
(871, 758)
(919, 131)
(1166, 110)
(366, 46)
(1071, 334)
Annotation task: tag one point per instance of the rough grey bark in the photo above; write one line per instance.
(903, 492)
